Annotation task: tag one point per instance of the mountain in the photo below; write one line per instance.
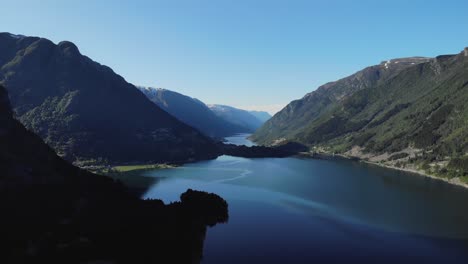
(88, 113)
(237, 116)
(261, 115)
(406, 113)
(192, 112)
(300, 113)
(53, 212)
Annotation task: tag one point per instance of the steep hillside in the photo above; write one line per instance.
(299, 113)
(417, 118)
(237, 116)
(85, 111)
(192, 112)
(53, 212)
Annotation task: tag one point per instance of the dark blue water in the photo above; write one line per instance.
(315, 211)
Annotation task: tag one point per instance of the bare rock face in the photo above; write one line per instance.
(404, 62)
(466, 52)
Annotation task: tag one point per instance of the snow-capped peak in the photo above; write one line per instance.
(149, 90)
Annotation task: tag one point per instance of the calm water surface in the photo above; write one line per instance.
(295, 210)
(240, 139)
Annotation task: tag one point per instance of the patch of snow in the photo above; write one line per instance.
(219, 108)
(149, 89)
(386, 64)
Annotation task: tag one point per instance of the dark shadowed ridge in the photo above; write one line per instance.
(53, 212)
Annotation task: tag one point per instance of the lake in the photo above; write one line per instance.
(294, 210)
(240, 139)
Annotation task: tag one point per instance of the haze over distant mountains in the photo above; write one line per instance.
(212, 121)
(85, 111)
(237, 116)
(261, 115)
(408, 112)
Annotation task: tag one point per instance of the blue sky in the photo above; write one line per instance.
(251, 54)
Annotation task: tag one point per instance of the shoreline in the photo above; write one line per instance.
(142, 167)
(134, 168)
(130, 169)
(454, 181)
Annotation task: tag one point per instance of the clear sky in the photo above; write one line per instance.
(251, 54)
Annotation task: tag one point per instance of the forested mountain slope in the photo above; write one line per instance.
(300, 113)
(88, 113)
(415, 117)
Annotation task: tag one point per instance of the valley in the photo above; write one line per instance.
(241, 132)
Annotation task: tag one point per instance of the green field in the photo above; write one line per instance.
(131, 175)
(128, 168)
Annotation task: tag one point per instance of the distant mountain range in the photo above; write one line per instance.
(213, 120)
(237, 116)
(261, 115)
(192, 112)
(409, 113)
(88, 113)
